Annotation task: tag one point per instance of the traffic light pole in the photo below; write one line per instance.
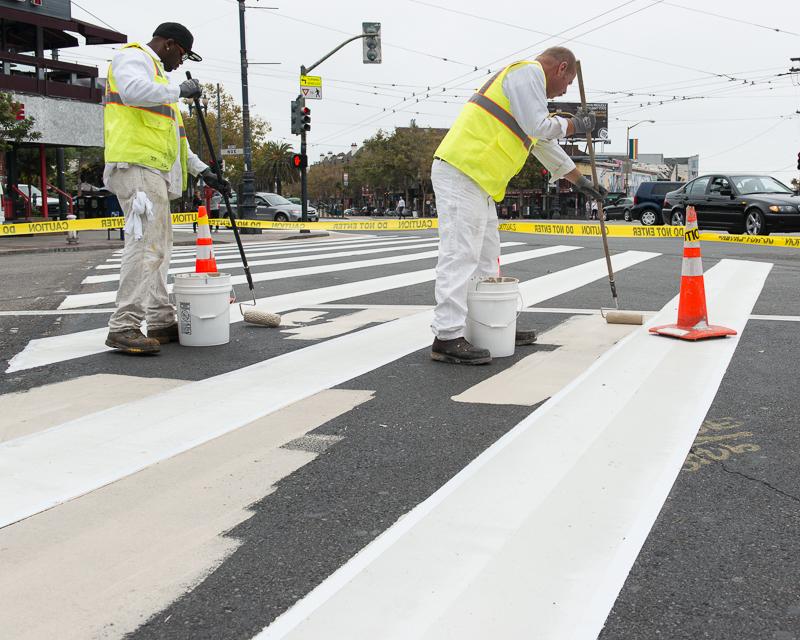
(303, 147)
(247, 206)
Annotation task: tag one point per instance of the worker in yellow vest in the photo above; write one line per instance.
(148, 160)
(487, 146)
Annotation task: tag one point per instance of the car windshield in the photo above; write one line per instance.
(759, 184)
(274, 199)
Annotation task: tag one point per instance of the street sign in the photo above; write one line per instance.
(311, 87)
(233, 152)
(600, 109)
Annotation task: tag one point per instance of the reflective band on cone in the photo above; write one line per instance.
(692, 313)
(205, 263)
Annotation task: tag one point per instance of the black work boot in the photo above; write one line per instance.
(522, 338)
(132, 341)
(164, 334)
(459, 351)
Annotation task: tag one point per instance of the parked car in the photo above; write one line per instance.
(751, 204)
(271, 206)
(295, 200)
(649, 201)
(621, 208)
(35, 194)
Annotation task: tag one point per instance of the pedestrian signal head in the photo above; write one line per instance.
(299, 161)
(372, 42)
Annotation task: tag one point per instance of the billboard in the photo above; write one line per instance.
(53, 8)
(600, 131)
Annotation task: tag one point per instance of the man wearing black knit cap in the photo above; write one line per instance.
(148, 160)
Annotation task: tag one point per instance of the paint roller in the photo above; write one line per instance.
(612, 316)
(254, 315)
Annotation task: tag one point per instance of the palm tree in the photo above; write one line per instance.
(278, 163)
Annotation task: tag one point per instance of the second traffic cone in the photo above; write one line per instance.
(692, 313)
(205, 262)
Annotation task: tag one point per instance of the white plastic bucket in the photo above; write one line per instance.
(492, 314)
(202, 303)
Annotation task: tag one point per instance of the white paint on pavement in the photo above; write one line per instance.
(535, 537)
(278, 251)
(100, 565)
(580, 339)
(347, 323)
(223, 266)
(43, 470)
(105, 297)
(45, 351)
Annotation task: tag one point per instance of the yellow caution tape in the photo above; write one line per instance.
(412, 224)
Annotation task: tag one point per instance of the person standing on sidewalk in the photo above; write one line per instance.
(487, 146)
(147, 164)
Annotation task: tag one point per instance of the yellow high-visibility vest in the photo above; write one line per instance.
(486, 142)
(143, 135)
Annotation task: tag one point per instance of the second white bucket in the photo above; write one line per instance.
(492, 314)
(202, 302)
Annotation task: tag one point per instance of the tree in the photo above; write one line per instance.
(274, 163)
(232, 131)
(14, 129)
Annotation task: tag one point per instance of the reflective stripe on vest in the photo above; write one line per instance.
(142, 135)
(486, 142)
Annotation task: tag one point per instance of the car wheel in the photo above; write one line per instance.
(754, 223)
(627, 215)
(677, 219)
(281, 217)
(648, 217)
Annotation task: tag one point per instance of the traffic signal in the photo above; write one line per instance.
(798, 161)
(372, 42)
(301, 116)
(299, 161)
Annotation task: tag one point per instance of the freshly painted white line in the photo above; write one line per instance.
(776, 318)
(280, 250)
(580, 339)
(105, 297)
(227, 266)
(535, 537)
(54, 312)
(64, 462)
(347, 323)
(46, 351)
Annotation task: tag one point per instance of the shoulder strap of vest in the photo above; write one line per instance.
(156, 63)
(492, 108)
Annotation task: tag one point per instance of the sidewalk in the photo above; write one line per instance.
(99, 240)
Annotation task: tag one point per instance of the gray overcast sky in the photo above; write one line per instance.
(629, 50)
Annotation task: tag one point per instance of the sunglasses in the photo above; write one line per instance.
(184, 55)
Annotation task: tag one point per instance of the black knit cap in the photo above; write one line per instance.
(181, 35)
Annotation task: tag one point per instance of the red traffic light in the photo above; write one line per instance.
(299, 161)
(543, 172)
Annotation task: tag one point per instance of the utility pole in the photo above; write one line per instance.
(247, 203)
(219, 125)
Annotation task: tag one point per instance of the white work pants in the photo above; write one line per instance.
(142, 293)
(469, 245)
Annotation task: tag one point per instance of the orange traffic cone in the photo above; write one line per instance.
(692, 312)
(205, 263)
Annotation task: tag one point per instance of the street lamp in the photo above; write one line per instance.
(628, 159)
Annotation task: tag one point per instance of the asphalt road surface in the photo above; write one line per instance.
(326, 479)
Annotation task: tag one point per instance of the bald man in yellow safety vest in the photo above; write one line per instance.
(488, 144)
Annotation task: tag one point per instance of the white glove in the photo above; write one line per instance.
(141, 207)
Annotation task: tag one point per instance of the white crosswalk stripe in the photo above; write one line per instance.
(117, 442)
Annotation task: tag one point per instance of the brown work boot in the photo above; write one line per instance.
(523, 337)
(132, 341)
(164, 334)
(459, 351)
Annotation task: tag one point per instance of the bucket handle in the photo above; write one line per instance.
(503, 326)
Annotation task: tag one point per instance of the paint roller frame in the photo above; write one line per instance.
(253, 316)
(612, 316)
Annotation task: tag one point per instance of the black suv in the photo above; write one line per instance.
(751, 204)
(649, 200)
